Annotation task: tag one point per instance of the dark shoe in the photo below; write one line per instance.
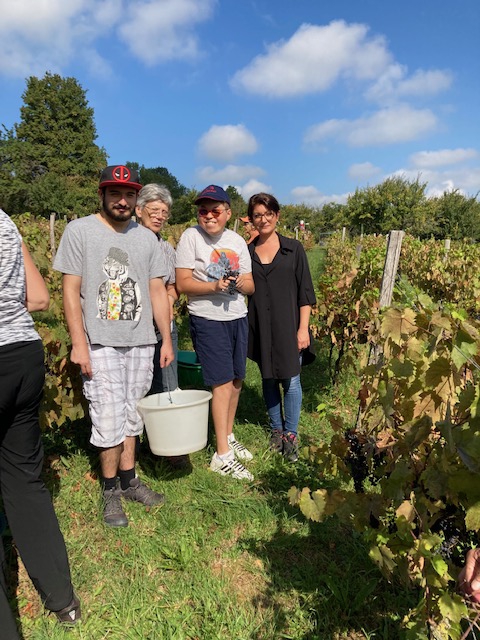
(139, 492)
(276, 441)
(113, 513)
(290, 447)
(178, 463)
(70, 614)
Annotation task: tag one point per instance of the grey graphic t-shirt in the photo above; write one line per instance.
(116, 269)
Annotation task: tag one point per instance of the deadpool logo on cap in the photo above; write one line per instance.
(121, 174)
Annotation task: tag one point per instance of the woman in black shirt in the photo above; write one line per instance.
(279, 313)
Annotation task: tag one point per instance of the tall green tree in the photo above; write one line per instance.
(49, 161)
(456, 216)
(237, 203)
(333, 217)
(396, 203)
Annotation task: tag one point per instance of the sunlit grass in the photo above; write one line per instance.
(222, 559)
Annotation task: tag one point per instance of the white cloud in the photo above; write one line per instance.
(313, 197)
(394, 84)
(466, 180)
(442, 157)
(313, 59)
(251, 187)
(227, 142)
(387, 126)
(39, 36)
(160, 30)
(46, 35)
(363, 171)
(231, 174)
(316, 57)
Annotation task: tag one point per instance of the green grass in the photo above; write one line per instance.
(316, 259)
(223, 559)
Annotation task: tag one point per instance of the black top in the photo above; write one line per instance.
(281, 288)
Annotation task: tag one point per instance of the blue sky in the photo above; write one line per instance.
(305, 99)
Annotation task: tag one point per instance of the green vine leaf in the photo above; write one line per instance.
(384, 559)
(472, 517)
(452, 608)
(440, 566)
(397, 323)
(465, 348)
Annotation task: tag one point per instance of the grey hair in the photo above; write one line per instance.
(152, 192)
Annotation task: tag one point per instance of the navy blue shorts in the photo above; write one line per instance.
(221, 348)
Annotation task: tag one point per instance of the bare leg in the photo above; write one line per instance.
(127, 458)
(110, 460)
(222, 395)
(232, 409)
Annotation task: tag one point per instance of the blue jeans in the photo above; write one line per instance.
(286, 420)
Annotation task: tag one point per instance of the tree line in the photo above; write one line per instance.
(50, 163)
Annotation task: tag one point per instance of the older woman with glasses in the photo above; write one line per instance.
(153, 210)
(278, 314)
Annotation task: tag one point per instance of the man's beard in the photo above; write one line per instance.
(117, 215)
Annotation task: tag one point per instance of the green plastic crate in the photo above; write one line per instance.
(189, 371)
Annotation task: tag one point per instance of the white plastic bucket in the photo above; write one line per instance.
(176, 422)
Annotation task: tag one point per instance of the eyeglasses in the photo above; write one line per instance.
(215, 212)
(156, 214)
(268, 215)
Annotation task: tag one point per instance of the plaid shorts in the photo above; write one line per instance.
(121, 377)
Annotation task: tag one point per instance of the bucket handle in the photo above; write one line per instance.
(168, 390)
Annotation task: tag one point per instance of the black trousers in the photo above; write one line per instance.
(26, 500)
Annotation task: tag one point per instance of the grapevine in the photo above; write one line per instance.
(417, 438)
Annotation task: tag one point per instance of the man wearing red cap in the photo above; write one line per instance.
(112, 290)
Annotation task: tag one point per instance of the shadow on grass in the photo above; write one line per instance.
(325, 566)
(60, 444)
(341, 591)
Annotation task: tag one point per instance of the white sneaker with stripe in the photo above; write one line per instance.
(230, 467)
(241, 452)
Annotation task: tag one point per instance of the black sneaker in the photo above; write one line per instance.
(276, 441)
(113, 513)
(70, 614)
(139, 492)
(290, 446)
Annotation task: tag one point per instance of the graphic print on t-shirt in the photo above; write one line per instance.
(223, 262)
(119, 296)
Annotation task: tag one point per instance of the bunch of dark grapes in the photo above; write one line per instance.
(357, 460)
(452, 535)
(232, 284)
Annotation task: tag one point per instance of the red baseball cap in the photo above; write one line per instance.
(120, 176)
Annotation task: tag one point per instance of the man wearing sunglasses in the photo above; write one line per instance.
(214, 270)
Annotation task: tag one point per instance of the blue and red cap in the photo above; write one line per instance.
(119, 176)
(213, 192)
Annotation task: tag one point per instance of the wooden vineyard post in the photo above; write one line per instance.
(394, 246)
(52, 235)
(447, 249)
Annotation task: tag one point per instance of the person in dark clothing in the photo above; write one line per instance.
(26, 500)
(278, 315)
